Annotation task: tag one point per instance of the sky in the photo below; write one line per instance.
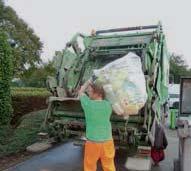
(56, 21)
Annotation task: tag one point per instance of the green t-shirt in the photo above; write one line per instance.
(97, 114)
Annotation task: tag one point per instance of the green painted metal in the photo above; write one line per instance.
(75, 65)
(173, 115)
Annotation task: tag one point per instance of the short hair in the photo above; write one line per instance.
(98, 89)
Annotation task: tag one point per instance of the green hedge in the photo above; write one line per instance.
(29, 91)
(5, 80)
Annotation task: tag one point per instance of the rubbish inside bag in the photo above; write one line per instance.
(124, 84)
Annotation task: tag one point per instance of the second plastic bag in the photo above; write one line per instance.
(124, 84)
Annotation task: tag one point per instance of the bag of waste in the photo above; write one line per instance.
(124, 84)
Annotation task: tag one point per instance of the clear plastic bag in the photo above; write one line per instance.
(124, 84)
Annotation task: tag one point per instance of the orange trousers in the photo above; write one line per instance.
(104, 151)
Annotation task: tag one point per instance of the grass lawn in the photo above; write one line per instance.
(13, 140)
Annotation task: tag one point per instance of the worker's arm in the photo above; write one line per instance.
(84, 99)
(86, 84)
(83, 88)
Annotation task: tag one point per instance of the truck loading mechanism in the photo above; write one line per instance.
(75, 64)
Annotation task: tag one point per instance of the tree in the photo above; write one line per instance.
(178, 67)
(36, 76)
(5, 79)
(27, 47)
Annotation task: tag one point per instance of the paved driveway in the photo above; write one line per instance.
(68, 157)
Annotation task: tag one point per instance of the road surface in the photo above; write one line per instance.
(68, 157)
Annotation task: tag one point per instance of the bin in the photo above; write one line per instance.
(173, 113)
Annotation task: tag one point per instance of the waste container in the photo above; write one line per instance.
(173, 113)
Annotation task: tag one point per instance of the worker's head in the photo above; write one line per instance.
(96, 92)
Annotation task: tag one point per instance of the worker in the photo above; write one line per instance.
(99, 144)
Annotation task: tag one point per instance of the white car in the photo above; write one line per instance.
(174, 93)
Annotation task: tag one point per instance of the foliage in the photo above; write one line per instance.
(15, 140)
(36, 76)
(5, 79)
(27, 46)
(29, 91)
(178, 67)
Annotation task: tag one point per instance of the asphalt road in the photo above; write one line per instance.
(68, 157)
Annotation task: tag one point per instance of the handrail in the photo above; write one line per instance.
(128, 29)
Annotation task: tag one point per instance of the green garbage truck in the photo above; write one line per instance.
(84, 53)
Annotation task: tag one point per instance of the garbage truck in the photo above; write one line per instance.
(75, 65)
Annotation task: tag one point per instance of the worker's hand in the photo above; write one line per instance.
(93, 78)
(84, 87)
